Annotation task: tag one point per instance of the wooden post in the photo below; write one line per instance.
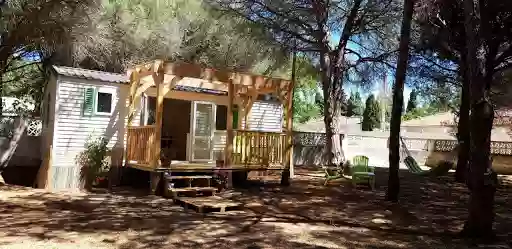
(158, 78)
(134, 84)
(228, 151)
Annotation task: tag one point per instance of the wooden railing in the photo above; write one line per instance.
(259, 148)
(140, 140)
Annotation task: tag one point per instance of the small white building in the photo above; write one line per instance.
(80, 103)
(444, 124)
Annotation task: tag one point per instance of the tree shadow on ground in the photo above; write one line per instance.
(304, 215)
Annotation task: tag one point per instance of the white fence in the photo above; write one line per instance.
(310, 147)
(34, 126)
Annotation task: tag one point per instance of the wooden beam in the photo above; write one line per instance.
(187, 70)
(134, 84)
(184, 70)
(135, 99)
(193, 82)
(248, 107)
(162, 90)
(191, 96)
(143, 87)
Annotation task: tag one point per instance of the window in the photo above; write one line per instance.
(221, 117)
(99, 101)
(104, 101)
(222, 113)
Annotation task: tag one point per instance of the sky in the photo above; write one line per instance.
(334, 38)
(376, 89)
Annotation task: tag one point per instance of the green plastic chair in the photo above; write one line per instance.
(361, 172)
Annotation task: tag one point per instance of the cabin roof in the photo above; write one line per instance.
(120, 78)
(91, 74)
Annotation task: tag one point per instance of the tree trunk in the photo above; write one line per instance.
(398, 101)
(8, 150)
(463, 133)
(336, 85)
(2, 70)
(481, 180)
(325, 71)
(285, 176)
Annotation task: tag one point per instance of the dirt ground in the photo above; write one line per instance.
(304, 215)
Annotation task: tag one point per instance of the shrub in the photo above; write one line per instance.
(93, 161)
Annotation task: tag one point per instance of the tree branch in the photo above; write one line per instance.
(504, 57)
(288, 17)
(430, 60)
(272, 25)
(21, 67)
(380, 58)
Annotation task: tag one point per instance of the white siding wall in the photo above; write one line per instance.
(73, 129)
(266, 116)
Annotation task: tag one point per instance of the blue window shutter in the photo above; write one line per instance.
(235, 119)
(88, 106)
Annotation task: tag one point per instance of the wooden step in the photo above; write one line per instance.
(188, 177)
(197, 189)
(210, 203)
(191, 191)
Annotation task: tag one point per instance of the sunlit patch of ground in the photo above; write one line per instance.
(305, 215)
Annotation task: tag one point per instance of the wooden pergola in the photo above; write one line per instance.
(242, 90)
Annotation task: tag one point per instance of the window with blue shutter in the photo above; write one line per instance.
(89, 97)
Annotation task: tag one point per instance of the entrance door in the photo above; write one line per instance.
(202, 128)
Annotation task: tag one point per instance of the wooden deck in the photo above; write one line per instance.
(183, 166)
(208, 204)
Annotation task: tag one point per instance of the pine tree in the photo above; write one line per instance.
(351, 106)
(412, 104)
(398, 100)
(358, 103)
(371, 115)
(354, 105)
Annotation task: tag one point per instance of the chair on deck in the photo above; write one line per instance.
(361, 172)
